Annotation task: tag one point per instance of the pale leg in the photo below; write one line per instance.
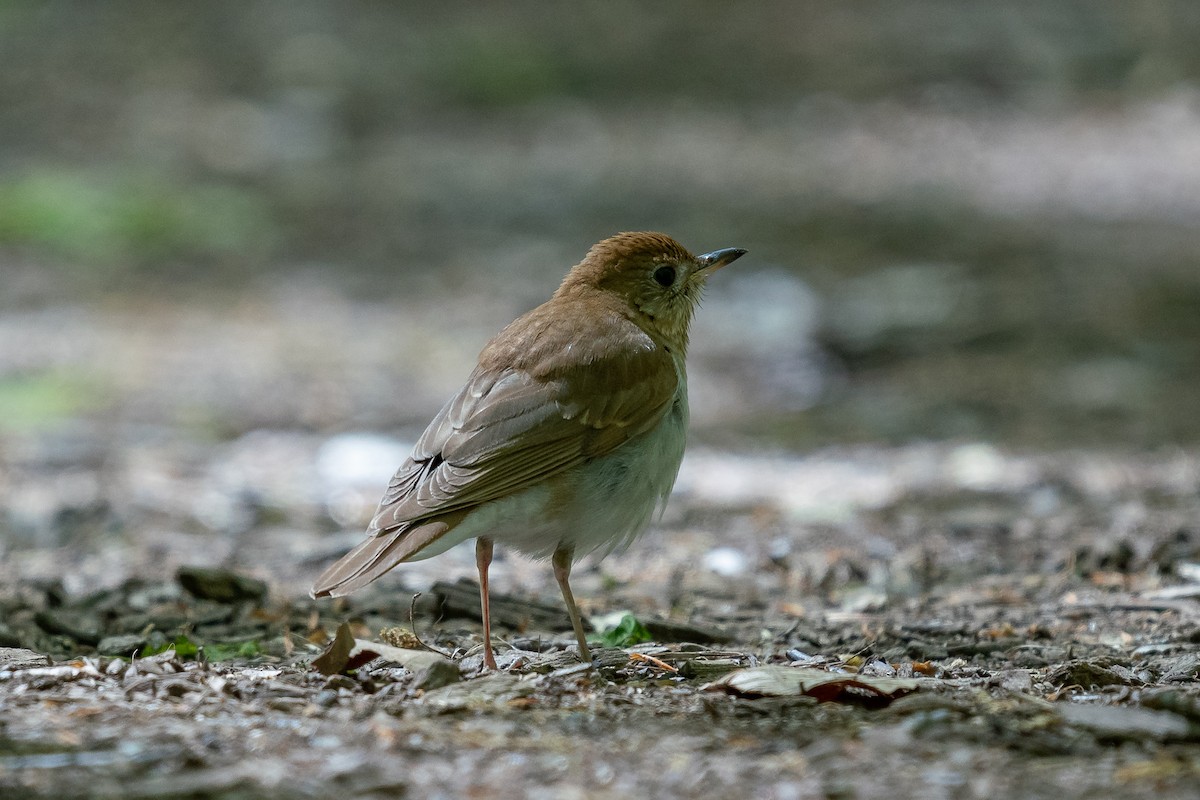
(562, 574)
(483, 559)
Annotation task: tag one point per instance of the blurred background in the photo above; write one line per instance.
(967, 222)
(966, 219)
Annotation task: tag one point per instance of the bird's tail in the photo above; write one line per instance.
(377, 555)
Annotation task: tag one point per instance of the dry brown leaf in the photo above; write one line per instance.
(780, 681)
(337, 655)
(347, 653)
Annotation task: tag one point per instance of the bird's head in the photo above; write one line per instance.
(653, 276)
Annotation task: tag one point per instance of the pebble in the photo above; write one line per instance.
(20, 658)
(221, 585)
(122, 645)
(438, 674)
(728, 562)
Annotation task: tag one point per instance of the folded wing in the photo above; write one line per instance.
(506, 430)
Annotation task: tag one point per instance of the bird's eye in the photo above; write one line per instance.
(664, 276)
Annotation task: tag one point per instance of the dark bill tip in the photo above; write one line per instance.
(720, 258)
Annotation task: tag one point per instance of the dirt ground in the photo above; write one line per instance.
(1041, 612)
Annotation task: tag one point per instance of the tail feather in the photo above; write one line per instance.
(377, 555)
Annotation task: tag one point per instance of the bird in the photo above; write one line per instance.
(567, 436)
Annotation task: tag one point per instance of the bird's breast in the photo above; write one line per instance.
(603, 504)
(614, 498)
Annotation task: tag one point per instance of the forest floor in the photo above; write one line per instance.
(995, 624)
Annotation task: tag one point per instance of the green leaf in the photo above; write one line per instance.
(625, 633)
(183, 647)
(227, 651)
(39, 400)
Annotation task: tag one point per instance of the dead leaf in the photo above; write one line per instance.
(337, 655)
(409, 659)
(780, 681)
(347, 653)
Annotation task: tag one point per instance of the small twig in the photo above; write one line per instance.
(412, 621)
(1060, 691)
(656, 662)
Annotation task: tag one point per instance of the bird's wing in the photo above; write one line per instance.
(507, 430)
(512, 426)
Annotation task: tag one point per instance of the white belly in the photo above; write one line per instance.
(610, 500)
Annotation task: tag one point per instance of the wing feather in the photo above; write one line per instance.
(509, 429)
(531, 410)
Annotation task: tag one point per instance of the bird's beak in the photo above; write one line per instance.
(711, 262)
